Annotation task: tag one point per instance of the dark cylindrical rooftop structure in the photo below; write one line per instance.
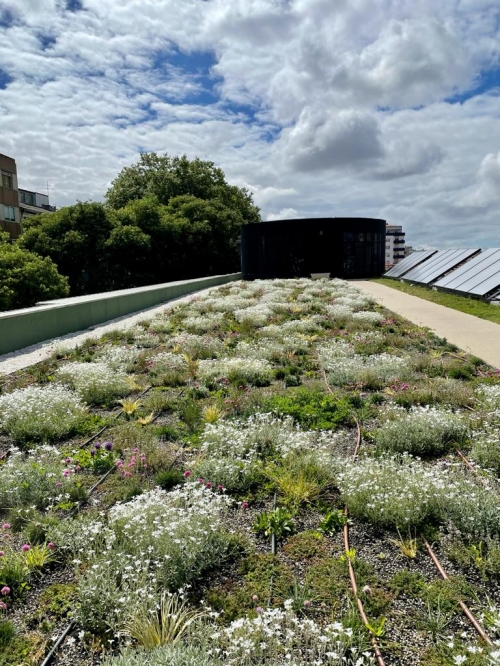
(343, 247)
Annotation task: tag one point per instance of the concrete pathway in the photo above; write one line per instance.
(476, 336)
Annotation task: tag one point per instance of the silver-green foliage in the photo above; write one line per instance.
(422, 431)
(36, 480)
(166, 655)
(155, 542)
(94, 382)
(486, 450)
(40, 413)
(403, 492)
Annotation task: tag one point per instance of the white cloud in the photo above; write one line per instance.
(344, 112)
(486, 191)
(284, 214)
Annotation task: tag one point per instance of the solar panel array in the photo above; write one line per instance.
(479, 276)
(438, 265)
(409, 262)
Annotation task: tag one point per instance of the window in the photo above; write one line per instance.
(28, 198)
(6, 179)
(10, 213)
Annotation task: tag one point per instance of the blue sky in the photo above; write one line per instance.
(318, 107)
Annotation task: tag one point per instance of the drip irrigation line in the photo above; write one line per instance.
(443, 573)
(352, 575)
(462, 605)
(466, 462)
(359, 603)
(58, 644)
(273, 552)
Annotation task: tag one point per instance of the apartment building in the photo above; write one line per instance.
(33, 203)
(10, 213)
(394, 245)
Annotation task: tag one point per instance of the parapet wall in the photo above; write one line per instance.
(51, 319)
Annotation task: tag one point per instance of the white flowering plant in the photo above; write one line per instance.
(40, 413)
(422, 431)
(95, 383)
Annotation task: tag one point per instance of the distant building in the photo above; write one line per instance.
(409, 250)
(33, 203)
(10, 213)
(17, 204)
(394, 245)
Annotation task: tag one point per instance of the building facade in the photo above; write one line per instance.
(33, 203)
(10, 213)
(343, 247)
(394, 245)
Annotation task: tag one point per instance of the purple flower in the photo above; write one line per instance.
(92, 452)
(97, 445)
(108, 446)
(51, 545)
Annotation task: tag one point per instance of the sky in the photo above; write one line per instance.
(377, 108)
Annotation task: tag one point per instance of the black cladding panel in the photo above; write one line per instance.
(343, 247)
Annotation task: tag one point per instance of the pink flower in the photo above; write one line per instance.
(307, 604)
(66, 473)
(259, 609)
(200, 480)
(136, 450)
(58, 484)
(5, 590)
(51, 545)
(2, 553)
(255, 597)
(208, 484)
(187, 474)
(244, 505)
(6, 526)
(3, 605)
(68, 460)
(119, 463)
(220, 487)
(26, 547)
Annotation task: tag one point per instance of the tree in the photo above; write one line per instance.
(74, 238)
(166, 177)
(26, 278)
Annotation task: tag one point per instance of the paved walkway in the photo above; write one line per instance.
(476, 336)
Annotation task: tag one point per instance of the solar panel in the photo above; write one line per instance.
(442, 262)
(409, 262)
(478, 276)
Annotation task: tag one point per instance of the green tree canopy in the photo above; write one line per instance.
(74, 238)
(26, 278)
(166, 177)
(166, 218)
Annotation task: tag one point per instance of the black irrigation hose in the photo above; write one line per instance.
(116, 416)
(58, 644)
